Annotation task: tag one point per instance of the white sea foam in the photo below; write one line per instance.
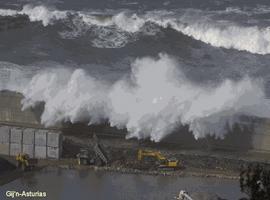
(231, 36)
(153, 101)
(43, 14)
(37, 13)
(125, 21)
(7, 12)
(224, 34)
(113, 31)
(117, 29)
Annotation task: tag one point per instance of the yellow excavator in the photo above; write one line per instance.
(24, 162)
(161, 160)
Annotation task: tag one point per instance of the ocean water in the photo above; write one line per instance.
(148, 66)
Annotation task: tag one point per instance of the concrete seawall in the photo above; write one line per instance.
(21, 131)
(255, 137)
(11, 110)
(37, 143)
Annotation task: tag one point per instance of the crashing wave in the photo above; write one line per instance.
(115, 30)
(43, 14)
(147, 105)
(37, 13)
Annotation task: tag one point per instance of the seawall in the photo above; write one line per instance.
(255, 136)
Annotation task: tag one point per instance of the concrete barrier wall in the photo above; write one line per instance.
(16, 135)
(4, 140)
(4, 134)
(4, 149)
(28, 149)
(28, 142)
(54, 141)
(37, 143)
(11, 110)
(15, 141)
(15, 149)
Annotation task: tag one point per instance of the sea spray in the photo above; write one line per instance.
(161, 98)
(151, 102)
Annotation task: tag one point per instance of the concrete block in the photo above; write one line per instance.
(28, 136)
(28, 149)
(41, 137)
(261, 142)
(54, 139)
(53, 152)
(16, 135)
(4, 134)
(4, 148)
(40, 152)
(15, 149)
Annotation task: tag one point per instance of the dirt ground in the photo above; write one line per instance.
(123, 155)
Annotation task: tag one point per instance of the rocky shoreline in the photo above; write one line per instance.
(70, 164)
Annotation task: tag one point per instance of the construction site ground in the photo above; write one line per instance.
(123, 159)
(123, 154)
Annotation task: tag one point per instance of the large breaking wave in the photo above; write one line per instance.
(114, 29)
(151, 102)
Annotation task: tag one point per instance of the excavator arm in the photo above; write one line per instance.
(163, 161)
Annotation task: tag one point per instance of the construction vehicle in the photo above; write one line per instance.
(149, 156)
(99, 156)
(84, 158)
(24, 162)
